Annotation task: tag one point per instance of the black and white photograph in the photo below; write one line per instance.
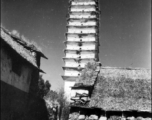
(75, 60)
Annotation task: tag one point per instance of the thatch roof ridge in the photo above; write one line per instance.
(126, 68)
(25, 43)
(20, 49)
(123, 90)
(134, 73)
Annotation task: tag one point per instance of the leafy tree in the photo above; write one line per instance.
(59, 102)
(52, 104)
(43, 87)
(88, 71)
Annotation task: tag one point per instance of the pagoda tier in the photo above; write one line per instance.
(79, 54)
(81, 43)
(73, 63)
(83, 8)
(83, 16)
(79, 59)
(73, 68)
(81, 47)
(82, 39)
(82, 23)
(81, 51)
(82, 1)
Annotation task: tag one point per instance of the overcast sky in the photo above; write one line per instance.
(125, 31)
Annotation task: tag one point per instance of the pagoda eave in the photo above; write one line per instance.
(75, 59)
(74, 26)
(82, 35)
(85, 87)
(85, 34)
(69, 78)
(68, 19)
(93, 51)
(77, 42)
(95, 12)
(72, 68)
(82, 1)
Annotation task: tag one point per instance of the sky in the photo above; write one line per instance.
(125, 32)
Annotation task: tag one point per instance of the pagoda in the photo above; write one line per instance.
(82, 39)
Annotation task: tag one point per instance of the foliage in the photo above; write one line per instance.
(51, 96)
(44, 87)
(87, 72)
(58, 106)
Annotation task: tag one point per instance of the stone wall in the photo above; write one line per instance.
(81, 116)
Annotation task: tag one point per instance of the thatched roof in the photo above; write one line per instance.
(122, 89)
(87, 80)
(20, 47)
(88, 75)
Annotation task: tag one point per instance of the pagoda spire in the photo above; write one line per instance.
(82, 39)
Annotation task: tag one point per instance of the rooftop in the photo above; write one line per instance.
(119, 89)
(23, 48)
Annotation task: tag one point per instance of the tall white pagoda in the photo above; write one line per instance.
(82, 39)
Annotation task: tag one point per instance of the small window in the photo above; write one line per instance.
(16, 67)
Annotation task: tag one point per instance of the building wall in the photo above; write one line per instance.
(76, 38)
(8, 76)
(71, 73)
(83, 3)
(19, 84)
(74, 64)
(15, 84)
(82, 23)
(67, 88)
(86, 15)
(84, 47)
(84, 30)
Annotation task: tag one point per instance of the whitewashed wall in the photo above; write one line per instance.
(82, 23)
(71, 64)
(88, 55)
(71, 55)
(83, 3)
(84, 47)
(82, 30)
(85, 9)
(79, 16)
(67, 88)
(83, 55)
(73, 47)
(74, 64)
(82, 65)
(88, 47)
(71, 73)
(87, 38)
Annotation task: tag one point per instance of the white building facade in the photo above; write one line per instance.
(82, 40)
